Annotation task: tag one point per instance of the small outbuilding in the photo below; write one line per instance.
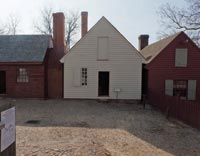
(30, 64)
(172, 67)
(102, 65)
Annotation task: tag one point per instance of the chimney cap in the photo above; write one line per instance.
(58, 14)
(143, 36)
(84, 13)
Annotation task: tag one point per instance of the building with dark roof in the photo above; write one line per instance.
(29, 64)
(24, 48)
(172, 68)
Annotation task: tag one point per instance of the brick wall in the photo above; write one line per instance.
(33, 89)
(54, 75)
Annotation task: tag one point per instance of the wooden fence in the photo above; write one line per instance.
(184, 110)
(11, 149)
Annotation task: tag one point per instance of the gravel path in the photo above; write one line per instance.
(89, 128)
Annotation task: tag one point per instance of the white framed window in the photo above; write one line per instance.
(181, 58)
(84, 76)
(22, 75)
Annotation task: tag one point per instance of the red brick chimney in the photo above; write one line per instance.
(143, 41)
(59, 34)
(84, 25)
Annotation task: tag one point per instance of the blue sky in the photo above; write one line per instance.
(130, 17)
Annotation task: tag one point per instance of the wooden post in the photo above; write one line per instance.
(144, 100)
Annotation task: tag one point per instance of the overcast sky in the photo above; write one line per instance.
(130, 17)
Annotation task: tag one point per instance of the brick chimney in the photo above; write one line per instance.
(84, 23)
(59, 34)
(143, 41)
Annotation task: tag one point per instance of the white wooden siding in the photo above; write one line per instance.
(76, 77)
(124, 65)
(103, 48)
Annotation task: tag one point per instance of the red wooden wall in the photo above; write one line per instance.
(163, 66)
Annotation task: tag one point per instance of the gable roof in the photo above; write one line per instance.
(103, 18)
(23, 48)
(151, 51)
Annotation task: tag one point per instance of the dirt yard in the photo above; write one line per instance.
(89, 128)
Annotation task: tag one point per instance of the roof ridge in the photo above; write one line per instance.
(152, 50)
(174, 35)
(104, 18)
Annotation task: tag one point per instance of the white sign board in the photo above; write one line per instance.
(8, 132)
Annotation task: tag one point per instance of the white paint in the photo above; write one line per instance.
(117, 90)
(8, 132)
(124, 65)
(103, 48)
(76, 77)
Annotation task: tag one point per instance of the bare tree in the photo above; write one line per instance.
(174, 19)
(72, 26)
(45, 24)
(2, 29)
(11, 26)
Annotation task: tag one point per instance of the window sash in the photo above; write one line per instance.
(22, 76)
(185, 89)
(180, 88)
(84, 76)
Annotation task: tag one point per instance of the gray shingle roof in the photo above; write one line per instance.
(151, 51)
(23, 48)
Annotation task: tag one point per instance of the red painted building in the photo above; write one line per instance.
(172, 67)
(29, 64)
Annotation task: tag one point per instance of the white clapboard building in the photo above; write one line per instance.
(102, 65)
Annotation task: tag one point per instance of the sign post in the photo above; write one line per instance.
(8, 130)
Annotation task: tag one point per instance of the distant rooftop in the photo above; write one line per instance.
(23, 48)
(152, 50)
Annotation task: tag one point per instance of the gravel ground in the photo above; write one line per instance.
(89, 128)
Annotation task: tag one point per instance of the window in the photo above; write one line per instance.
(22, 75)
(102, 48)
(185, 89)
(84, 76)
(180, 89)
(181, 58)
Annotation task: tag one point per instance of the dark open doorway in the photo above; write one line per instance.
(2, 82)
(144, 80)
(103, 83)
